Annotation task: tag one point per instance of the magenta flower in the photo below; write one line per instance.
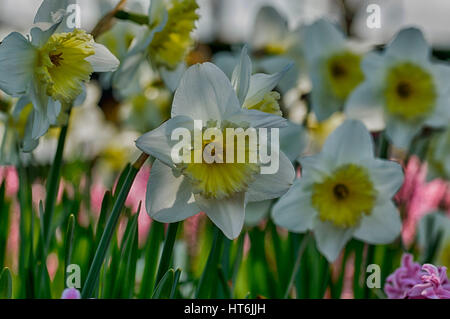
(71, 293)
(413, 281)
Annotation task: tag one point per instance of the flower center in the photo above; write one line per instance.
(269, 104)
(343, 73)
(340, 191)
(170, 46)
(410, 91)
(345, 196)
(62, 65)
(221, 178)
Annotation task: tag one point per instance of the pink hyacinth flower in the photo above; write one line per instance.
(413, 281)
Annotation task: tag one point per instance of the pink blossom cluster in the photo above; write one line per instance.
(418, 197)
(413, 281)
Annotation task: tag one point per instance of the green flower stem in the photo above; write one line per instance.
(100, 253)
(300, 252)
(211, 271)
(134, 17)
(383, 146)
(166, 256)
(52, 185)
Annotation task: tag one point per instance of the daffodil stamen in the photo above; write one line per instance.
(344, 73)
(345, 196)
(221, 178)
(169, 47)
(62, 65)
(410, 91)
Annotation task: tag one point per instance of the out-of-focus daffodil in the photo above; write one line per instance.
(50, 68)
(344, 192)
(165, 42)
(334, 67)
(403, 90)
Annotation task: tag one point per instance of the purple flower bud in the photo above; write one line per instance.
(71, 293)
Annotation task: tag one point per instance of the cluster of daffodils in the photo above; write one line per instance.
(48, 68)
(299, 130)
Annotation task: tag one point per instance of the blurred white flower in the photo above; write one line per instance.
(343, 192)
(402, 89)
(165, 41)
(49, 69)
(221, 190)
(334, 67)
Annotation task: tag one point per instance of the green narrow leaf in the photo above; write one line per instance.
(209, 276)
(68, 247)
(175, 283)
(52, 185)
(102, 248)
(164, 288)
(155, 238)
(166, 256)
(4, 225)
(123, 275)
(5, 284)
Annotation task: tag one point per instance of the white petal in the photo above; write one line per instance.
(257, 119)
(293, 210)
(157, 12)
(40, 37)
(401, 133)
(17, 58)
(382, 226)
(128, 70)
(293, 140)
(316, 167)
(331, 239)
(268, 186)
(409, 44)
(103, 60)
(349, 142)
(51, 11)
(172, 78)
(240, 79)
(205, 93)
(269, 28)
(169, 199)
(227, 214)
(256, 211)
(441, 112)
(366, 105)
(387, 176)
(273, 64)
(261, 84)
(158, 142)
(321, 38)
(40, 124)
(323, 102)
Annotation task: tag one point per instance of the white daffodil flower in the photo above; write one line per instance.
(343, 192)
(50, 69)
(334, 67)
(403, 90)
(280, 45)
(221, 190)
(165, 42)
(438, 156)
